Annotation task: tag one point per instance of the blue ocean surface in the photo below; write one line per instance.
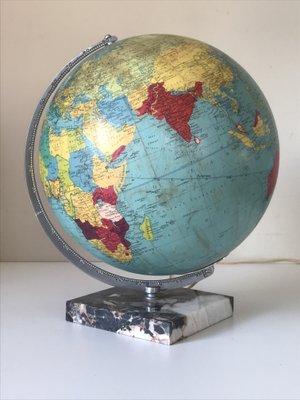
(116, 110)
(81, 169)
(52, 169)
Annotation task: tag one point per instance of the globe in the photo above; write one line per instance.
(158, 154)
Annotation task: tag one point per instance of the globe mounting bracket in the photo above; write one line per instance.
(109, 39)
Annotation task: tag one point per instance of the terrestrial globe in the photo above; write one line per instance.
(156, 154)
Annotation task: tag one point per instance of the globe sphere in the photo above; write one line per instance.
(158, 154)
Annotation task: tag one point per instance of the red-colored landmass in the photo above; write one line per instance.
(257, 115)
(116, 153)
(110, 233)
(107, 195)
(89, 231)
(272, 177)
(113, 233)
(175, 108)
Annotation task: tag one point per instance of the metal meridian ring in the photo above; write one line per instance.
(59, 242)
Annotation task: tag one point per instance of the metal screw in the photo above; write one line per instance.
(151, 291)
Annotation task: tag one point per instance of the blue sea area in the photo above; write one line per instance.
(44, 148)
(117, 111)
(200, 198)
(80, 100)
(52, 169)
(81, 169)
(58, 123)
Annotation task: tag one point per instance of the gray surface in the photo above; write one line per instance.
(254, 355)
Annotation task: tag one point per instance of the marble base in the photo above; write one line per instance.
(171, 316)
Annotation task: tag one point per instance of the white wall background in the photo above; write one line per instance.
(39, 37)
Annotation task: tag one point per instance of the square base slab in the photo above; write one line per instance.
(171, 316)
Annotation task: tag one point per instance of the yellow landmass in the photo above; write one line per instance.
(136, 97)
(105, 137)
(58, 146)
(67, 142)
(44, 174)
(130, 73)
(79, 204)
(177, 61)
(67, 187)
(104, 176)
(179, 68)
(121, 254)
(63, 173)
(85, 209)
(247, 141)
(54, 187)
(260, 129)
(75, 140)
(83, 109)
(233, 102)
(146, 228)
(64, 100)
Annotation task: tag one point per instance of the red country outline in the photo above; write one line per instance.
(111, 233)
(272, 177)
(175, 108)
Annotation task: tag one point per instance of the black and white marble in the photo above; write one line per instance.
(171, 316)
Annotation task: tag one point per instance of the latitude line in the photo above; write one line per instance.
(165, 176)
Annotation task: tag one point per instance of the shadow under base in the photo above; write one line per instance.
(170, 316)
